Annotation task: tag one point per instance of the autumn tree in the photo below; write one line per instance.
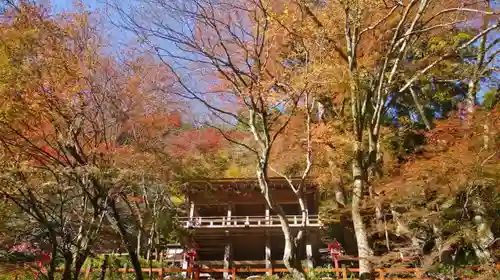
(249, 86)
(375, 72)
(77, 123)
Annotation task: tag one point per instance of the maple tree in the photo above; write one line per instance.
(74, 126)
(374, 71)
(232, 42)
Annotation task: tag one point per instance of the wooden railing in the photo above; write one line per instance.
(340, 273)
(247, 221)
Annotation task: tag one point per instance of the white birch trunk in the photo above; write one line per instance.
(364, 250)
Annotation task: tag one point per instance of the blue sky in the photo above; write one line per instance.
(65, 5)
(120, 38)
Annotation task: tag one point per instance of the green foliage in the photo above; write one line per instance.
(491, 98)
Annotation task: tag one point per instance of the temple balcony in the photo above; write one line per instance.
(225, 222)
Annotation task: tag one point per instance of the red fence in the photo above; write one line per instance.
(195, 273)
(342, 273)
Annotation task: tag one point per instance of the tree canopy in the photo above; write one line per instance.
(392, 107)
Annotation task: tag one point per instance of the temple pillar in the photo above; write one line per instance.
(267, 214)
(268, 253)
(185, 264)
(227, 255)
(229, 213)
(191, 210)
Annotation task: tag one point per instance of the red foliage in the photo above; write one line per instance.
(204, 140)
(137, 199)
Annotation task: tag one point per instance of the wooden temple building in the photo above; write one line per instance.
(233, 227)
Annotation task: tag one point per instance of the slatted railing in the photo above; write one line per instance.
(247, 221)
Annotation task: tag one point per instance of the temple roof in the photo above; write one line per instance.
(242, 184)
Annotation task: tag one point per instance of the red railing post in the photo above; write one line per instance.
(160, 273)
(197, 273)
(382, 274)
(124, 275)
(344, 273)
(418, 272)
(233, 273)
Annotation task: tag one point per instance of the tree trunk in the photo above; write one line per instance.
(138, 241)
(104, 267)
(79, 261)
(379, 218)
(484, 234)
(438, 239)
(289, 254)
(136, 264)
(128, 240)
(52, 265)
(364, 251)
(339, 195)
(68, 265)
(337, 187)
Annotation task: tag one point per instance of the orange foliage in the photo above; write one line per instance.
(458, 151)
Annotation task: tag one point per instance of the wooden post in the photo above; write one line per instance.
(381, 273)
(268, 222)
(124, 275)
(191, 210)
(87, 272)
(418, 273)
(344, 273)
(160, 273)
(233, 273)
(185, 265)
(229, 213)
(197, 273)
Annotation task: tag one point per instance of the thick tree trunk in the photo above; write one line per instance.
(68, 265)
(290, 261)
(289, 254)
(128, 240)
(79, 261)
(136, 264)
(364, 251)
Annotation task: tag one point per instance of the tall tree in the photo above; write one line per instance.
(73, 121)
(232, 43)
